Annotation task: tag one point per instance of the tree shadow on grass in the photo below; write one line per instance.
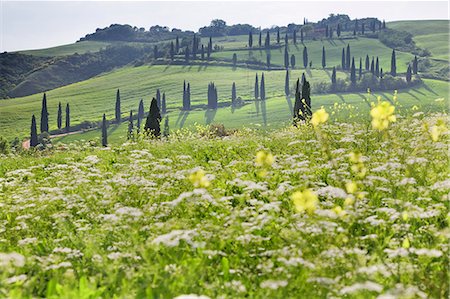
(365, 99)
(289, 102)
(257, 107)
(331, 41)
(341, 98)
(413, 95)
(308, 71)
(429, 89)
(183, 118)
(418, 91)
(264, 112)
(210, 114)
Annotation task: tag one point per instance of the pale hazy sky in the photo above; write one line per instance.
(39, 24)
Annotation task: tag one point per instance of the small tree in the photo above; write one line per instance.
(324, 61)
(338, 30)
(140, 115)
(104, 132)
(250, 39)
(408, 74)
(353, 72)
(158, 97)
(298, 113)
(172, 51)
(166, 127)
(293, 61)
(268, 60)
(294, 37)
(372, 66)
(286, 57)
(393, 64)
(348, 59)
(33, 133)
(363, 28)
(117, 106)
(59, 118)
(262, 90)
(130, 125)
(301, 35)
(233, 94)
(177, 45)
(286, 84)
(187, 53)
(256, 88)
(278, 35)
(260, 39)
(234, 59)
(163, 104)
(360, 68)
(44, 115)
(306, 96)
(333, 77)
(343, 64)
(155, 52)
(267, 42)
(305, 57)
(202, 52)
(377, 68)
(152, 125)
(367, 64)
(415, 64)
(67, 117)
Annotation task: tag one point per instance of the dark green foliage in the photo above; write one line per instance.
(268, 59)
(372, 66)
(333, 77)
(360, 68)
(297, 113)
(172, 51)
(343, 64)
(267, 41)
(286, 57)
(338, 30)
(262, 90)
(400, 40)
(260, 39)
(347, 58)
(408, 74)
(293, 61)
(186, 54)
(415, 65)
(250, 39)
(303, 78)
(104, 132)
(117, 114)
(294, 37)
(177, 45)
(152, 125)
(324, 59)
(384, 25)
(301, 35)
(363, 28)
(327, 32)
(393, 64)
(186, 96)
(212, 96)
(130, 126)
(305, 57)
(163, 104)
(140, 115)
(286, 39)
(59, 117)
(377, 68)
(44, 115)
(306, 96)
(233, 94)
(286, 84)
(155, 52)
(158, 97)
(367, 62)
(234, 59)
(33, 133)
(202, 52)
(278, 36)
(166, 127)
(194, 49)
(256, 88)
(353, 72)
(302, 105)
(67, 117)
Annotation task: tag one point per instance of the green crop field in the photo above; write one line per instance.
(421, 27)
(80, 48)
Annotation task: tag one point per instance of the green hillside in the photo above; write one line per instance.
(421, 27)
(79, 47)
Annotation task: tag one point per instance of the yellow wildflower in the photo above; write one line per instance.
(382, 115)
(319, 117)
(199, 179)
(355, 157)
(437, 130)
(405, 216)
(305, 201)
(351, 187)
(405, 243)
(349, 201)
(264, 159)
(339, 211)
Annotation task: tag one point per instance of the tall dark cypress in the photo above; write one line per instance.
(333, 78)
(294, 37)
(384, 25)
(202, 52)
(210, 46)
(233, 94)
(262, 90)
(250, 39)
(286, 84)
(152, 125)
(338, 30)
(286, 39)
(278, 36)
(158, 98)
(393, 64)
(343, 64)
(293, 61)
(301, 35)
(267, 42)
(140, 115)
(324, 61)
(59, 118)
(188, 96)
(415, 64)
(360, 68)
(33, 133)
(67, 117)
(372, 66)
(377, 67)
(104, 132)
(163, 104)
(353, 72)
(305, 57)
(194, 50)
(130, 125)
(177, 45)
(327, 31)
(268, 59)
(367, 64)
(44, 115)
(347, 58)
(234, 59)
(260, 39)
(166, 127)
(306, 96)
(117, 106)
(286, 57)
(256, 88)
(363, 28)
(297, 113)
(186, 54)
(408, 74)
(155, 52)
(303, 78)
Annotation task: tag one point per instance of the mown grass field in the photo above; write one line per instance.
(80, 48)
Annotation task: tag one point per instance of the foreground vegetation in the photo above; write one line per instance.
(335, 209)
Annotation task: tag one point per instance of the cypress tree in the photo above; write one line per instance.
(384, 24)
(306, 96)
(360, 68)
(44, 115)
(130, 125)
(278, 36)
(250, 39)
(172, 51)
(353, 72)
(415, 65)
(163, 104)
(202, 52)
(286, 39)
(166, 127)
(267, 42)
(140, 115)
(194, 50)
(177, 45)
(210, 46)
(152, 125)
(256, 88)
(303, 78)
(377, 68)
(294, 36)
(208, 52)
(333, 78)
(338, 30)
(293, 61)
(343, 64)
(393, 64)
(158, 98)
(262, 90)
(104, 132)
(260, 39)
(331, 33)
(408, 74)
(356, 27)
(33, 133)
(268, 59)
(184, 95)
(297, 113)
(324, 61)
(117, 106)
(286, 84)
(286, 57)
(59, 118)
(347, 59)
(301, 35)
(327, 32)
(367, 63)
(186, 54)
(372, 66)
(234, 59)
(67, 117)
(233, 94)
(305, 57)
